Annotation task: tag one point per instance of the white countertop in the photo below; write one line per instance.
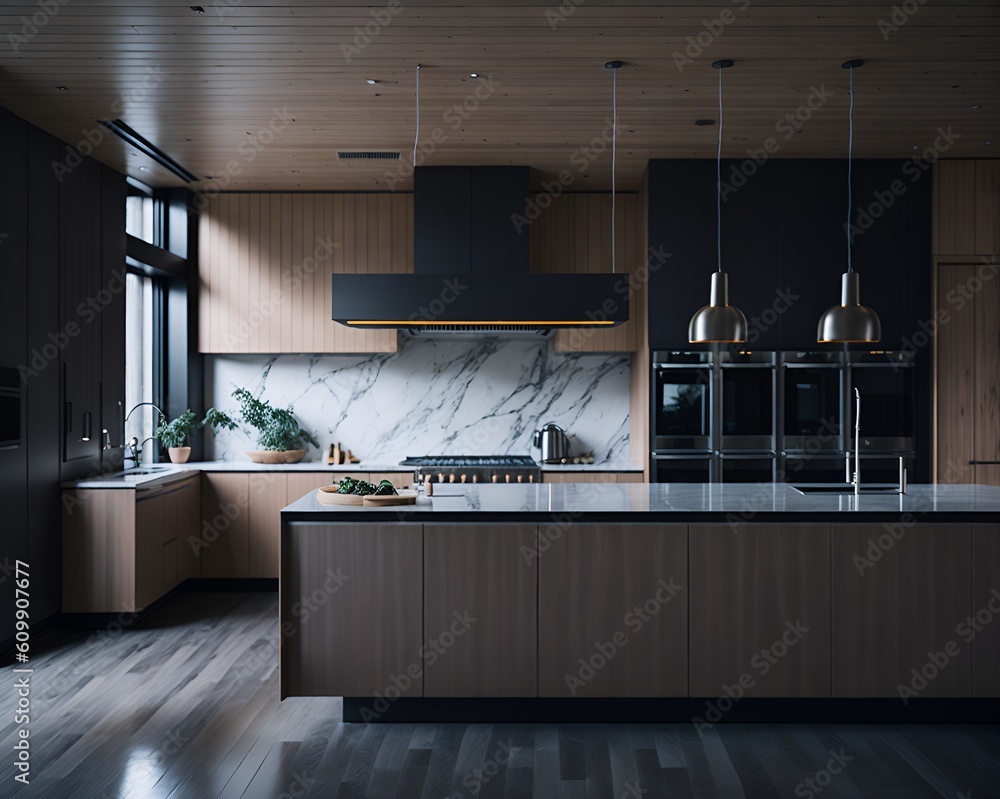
(169, 472)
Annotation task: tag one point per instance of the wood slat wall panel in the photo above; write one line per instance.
(266, 261)
(954, 229)
(574, 235)
(955, 356)
(987, 371)
(988, 207)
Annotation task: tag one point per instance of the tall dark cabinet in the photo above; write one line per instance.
(62, 333)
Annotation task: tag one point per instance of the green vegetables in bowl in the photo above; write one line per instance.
(363, 488)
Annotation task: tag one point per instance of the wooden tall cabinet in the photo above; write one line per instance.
(967, 321)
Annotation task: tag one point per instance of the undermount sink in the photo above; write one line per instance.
(144, 471)
(844, 488)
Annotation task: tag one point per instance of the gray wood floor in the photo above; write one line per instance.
(185, 705)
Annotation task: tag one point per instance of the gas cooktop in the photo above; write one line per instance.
(474, 468)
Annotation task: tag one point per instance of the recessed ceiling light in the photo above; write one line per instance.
(987, 142)
(371, 82)
(976, 106)
(473, 74)
(916, 146)
(62, 88)
(144, 169)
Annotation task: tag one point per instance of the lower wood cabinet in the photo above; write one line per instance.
(899, 595)
(760, 610)
(225, 524)
(351, 610)
(268, 495)
(480, 610)
(125, 548)
(612, 610)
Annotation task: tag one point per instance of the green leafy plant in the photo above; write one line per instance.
(217, 420)
(277, 428)
(175, 433)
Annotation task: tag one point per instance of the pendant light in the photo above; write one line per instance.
(849, 322)
(614, 66)
(718, 322)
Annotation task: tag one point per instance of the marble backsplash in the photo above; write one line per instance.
(481, 397)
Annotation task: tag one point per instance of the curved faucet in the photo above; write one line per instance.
(134, 443)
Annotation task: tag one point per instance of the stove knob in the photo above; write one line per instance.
(531, 478)
(451, 477)
(440, 477)
(463, 478)
(496, 478)
(520, 478)
(507, 477)
(475, 478)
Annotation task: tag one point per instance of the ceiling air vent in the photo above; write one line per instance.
(367, 156)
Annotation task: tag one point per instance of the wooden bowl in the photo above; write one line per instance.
(270, 456)
(327, 495)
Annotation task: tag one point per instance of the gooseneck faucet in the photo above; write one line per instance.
(133, 443)
(857, 443)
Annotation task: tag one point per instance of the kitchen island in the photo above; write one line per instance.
(629, 593)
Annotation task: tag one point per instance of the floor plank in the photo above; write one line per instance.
(184, 705)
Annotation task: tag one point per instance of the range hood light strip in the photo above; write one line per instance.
(416, 323)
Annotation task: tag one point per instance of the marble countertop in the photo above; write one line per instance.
(169, 472)
(671, 502)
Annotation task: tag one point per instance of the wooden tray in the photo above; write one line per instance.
(328, 496)
(402, 496)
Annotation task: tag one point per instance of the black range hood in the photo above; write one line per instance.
(471, 267)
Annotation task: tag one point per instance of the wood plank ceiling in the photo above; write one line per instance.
(211, 88)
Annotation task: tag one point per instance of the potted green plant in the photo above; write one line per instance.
(174, 435)
(279, 435)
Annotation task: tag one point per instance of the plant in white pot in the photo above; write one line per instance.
(279, 435)
(174, 435)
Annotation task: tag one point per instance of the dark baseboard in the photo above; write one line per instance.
(231, 584)
(672, 711)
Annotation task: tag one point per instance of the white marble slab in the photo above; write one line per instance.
(481, 397)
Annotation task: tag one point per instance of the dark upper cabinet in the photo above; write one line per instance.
(681, 197)
(812, 206)
(785, 246)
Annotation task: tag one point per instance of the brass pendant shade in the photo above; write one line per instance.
(850, 322)
(718, 322)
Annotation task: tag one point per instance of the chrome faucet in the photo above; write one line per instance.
(857, 443)
(136, 449)
(133, 444)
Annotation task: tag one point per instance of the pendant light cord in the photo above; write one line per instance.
(718, 181)
(614, 155)
(850, 161)
(416, 132)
